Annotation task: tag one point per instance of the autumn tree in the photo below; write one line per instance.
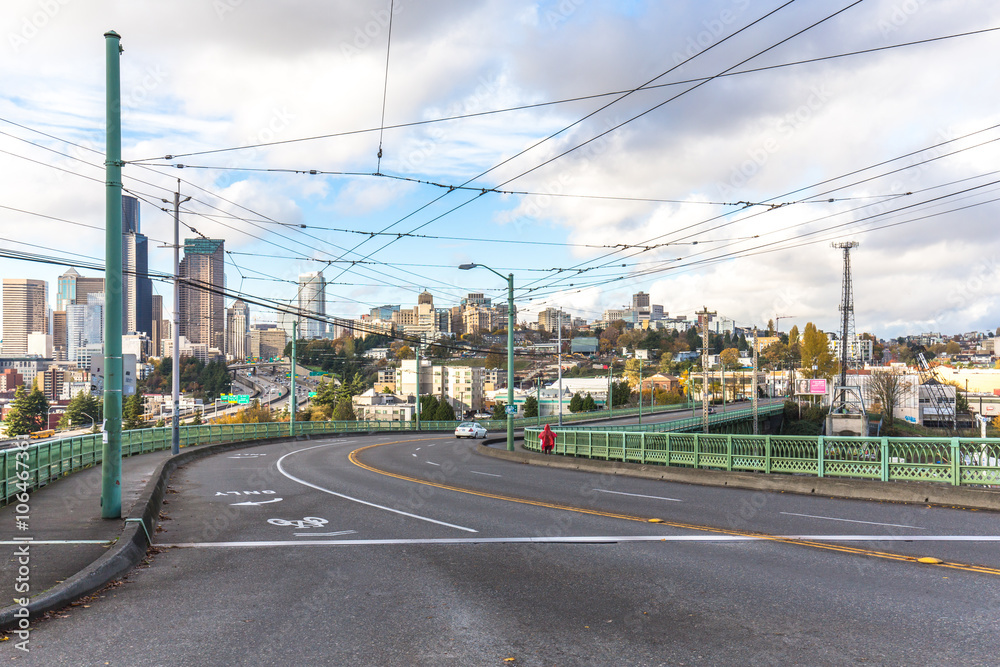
(632, 370)
(770, 327)
(497, 357)
(815, 350)
(793, 335)
(731, 357)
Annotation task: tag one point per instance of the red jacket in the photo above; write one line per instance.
(548, 438)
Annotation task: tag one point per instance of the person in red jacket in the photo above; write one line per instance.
(548, 438)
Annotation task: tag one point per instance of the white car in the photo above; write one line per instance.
(470, 430)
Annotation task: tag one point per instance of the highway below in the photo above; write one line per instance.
(413, 549)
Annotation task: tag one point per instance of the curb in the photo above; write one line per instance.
(130, 547)
(853, 489)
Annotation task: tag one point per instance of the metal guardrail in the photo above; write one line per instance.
(955, 461)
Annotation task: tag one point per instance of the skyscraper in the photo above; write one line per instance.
(137, 288)
(25, 311)
(74, 288)
(84, 326)
(156, 326)
(237, 330)
(202, 316)
(312, 301)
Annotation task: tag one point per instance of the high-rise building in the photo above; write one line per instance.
(137, 288)
(84, 327)
(640, 301)
(202, 316)
(312, 302)
(156, 324)
(25, 311)
(59, 335)
(74, 288)
(550, 318)
(237, 330)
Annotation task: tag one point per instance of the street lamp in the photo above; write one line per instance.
(510, 348)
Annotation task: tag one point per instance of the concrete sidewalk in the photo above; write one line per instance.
(68, 513)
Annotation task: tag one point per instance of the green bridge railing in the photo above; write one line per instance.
(956, 461)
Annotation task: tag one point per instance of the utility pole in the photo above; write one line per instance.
(291, 423)
(611, 387)
(756, 348)
(704, 364)
(111, 465)
(640, 389)
(416, 349)
(559, 357)
(175, 362)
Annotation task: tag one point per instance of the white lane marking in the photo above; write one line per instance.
(413, 455)
(339, 532)
(476, 472)
(358, 500)
(870, 523)
(433, 464)
(589, 539)
(638, 495)
(23, 542)
(254, 502)
(432, 444)
(417, 449)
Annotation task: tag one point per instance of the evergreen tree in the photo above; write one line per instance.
(576, 403)
(588, 403)
(499, 410)
(132, 410)
(531, 407)
(444, 412)
(197, 418)
(428, 408)
(81, 411)
(17, 421)
(345, 411)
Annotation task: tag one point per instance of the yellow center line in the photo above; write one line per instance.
(353, 457)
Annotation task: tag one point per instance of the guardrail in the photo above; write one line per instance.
(40, 463)
(955, 461)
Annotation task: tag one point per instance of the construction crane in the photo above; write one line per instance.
(777, 321)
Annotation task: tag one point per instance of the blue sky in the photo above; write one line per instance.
(654, 204)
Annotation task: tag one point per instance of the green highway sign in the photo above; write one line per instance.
(315, 373)
(243, 399)
(311, 394)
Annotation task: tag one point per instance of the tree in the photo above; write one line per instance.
(666, 363)
(816, 352)
(621, 392)
(497, 357)
(499, 410)
(770, 328)
(404, 352)
(18, 422)
(952, 348)
(82, 409)
(588, 403)
(444, 412)
(197, 418)
(776, 355)
(132, 411)
(888, 387)
(576, 403)
(428, 408)
(344, 412)
(530, 406)
(633, 367)
(793, 336)
(36, 409)
(731, 357)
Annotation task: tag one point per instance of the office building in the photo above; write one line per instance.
(74, 288)
(84, 327)
(25, 311)
(202, 316)
(237, 330)
(137, 288)
(156, 324)
(59, 348)
(312, 302)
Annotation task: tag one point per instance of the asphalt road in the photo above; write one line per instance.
(418, 551)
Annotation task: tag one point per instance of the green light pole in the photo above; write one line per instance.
(111, 465)
(291, 421)
(510, 348)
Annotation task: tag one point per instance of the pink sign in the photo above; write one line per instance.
(817, 386)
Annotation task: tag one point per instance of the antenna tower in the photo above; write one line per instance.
(842, 402)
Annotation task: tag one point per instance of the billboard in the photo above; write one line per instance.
(810, 386)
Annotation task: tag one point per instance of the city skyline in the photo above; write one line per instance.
(754, 146)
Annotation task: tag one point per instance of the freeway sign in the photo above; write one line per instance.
(511, 409)
(315, 373)
(311, 394)
(243, 399)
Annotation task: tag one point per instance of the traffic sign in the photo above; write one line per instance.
(315, 373)
(511, 409)
(311, 394)
(243, 399)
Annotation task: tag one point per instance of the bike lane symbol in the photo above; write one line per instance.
(305, 522)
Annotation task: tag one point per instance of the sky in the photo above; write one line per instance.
(708, 152)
